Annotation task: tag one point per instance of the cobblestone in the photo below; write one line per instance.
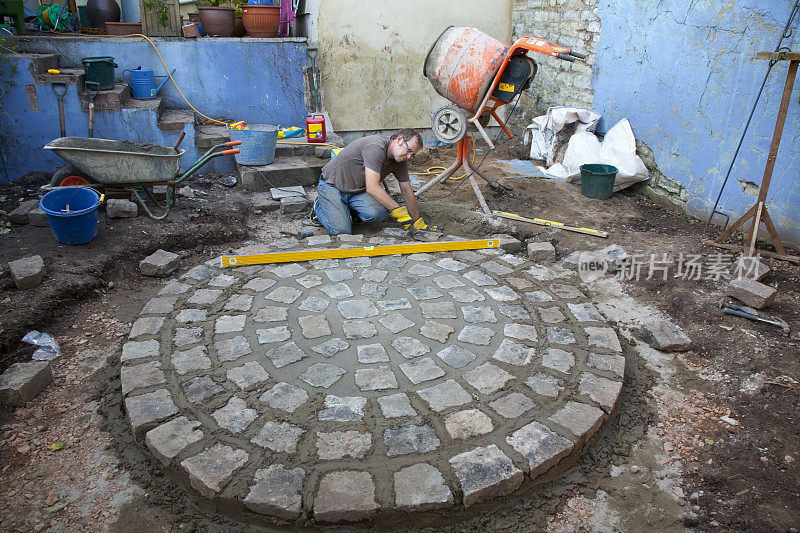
(340, 444)
(277, 491)
(347, 496)
(485, 473)
(314, 304)
(422, 370)
(410, 439)
(335, 389)
(467, 423)
(421, 487)
(209, 471)
(168, 440)
(396, 405)
(322, 375)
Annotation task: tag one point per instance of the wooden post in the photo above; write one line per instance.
(759, 211)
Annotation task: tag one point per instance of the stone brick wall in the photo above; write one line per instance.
(572, 23)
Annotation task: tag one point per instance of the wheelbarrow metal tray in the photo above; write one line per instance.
(111, 162)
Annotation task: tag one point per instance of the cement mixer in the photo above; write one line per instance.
(479, 74)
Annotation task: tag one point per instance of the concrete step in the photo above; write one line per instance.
(117, 98)
(175, 119)
(283, 172)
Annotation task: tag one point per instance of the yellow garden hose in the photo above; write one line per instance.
(439, 170)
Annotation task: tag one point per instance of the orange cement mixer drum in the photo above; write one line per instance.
(462, 64)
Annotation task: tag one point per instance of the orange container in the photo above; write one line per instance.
(462, 64)
(315, 129)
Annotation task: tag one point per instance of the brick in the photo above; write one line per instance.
(159, 264)
(27, 272)
(751, 292)
(21, 382)
(119, 208)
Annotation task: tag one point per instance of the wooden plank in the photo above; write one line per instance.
(779, 56)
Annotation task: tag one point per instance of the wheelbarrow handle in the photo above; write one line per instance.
(233, 143)
(230, 152)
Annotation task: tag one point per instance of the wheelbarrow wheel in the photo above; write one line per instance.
(68, 171)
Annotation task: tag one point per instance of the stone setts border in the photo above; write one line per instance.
(334, 390)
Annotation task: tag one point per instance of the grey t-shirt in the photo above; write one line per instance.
(346, 170)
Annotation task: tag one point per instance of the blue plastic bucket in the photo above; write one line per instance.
(72, 214)
(258, 144)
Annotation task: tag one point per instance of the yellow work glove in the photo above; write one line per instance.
(420, 225)
(401, 215)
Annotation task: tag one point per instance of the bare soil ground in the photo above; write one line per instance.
(668, 461)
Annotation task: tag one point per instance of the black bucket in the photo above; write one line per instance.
(100, 70)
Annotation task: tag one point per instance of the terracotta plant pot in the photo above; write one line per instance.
(261, 21)
(217, 21)
(123, 28)
(238, 27)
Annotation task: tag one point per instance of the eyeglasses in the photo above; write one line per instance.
(410, 151)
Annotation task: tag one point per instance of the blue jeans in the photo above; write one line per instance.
(334, 208)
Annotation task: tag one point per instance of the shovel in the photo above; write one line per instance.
(60, 89)
(92, 87)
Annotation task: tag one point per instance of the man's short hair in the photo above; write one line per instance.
(408, 134)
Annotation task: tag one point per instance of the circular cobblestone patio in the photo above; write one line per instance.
(333, 390)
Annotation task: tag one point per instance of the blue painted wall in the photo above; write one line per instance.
(685, 74)
(258, 81)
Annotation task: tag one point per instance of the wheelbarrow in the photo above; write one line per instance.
(129, 166)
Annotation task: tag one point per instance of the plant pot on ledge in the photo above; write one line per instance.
(217, 21)
(261, 21)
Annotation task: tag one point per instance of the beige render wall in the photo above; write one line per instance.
(371, 57)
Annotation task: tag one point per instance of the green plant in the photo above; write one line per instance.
(237, 4)
(216, 3)
(158, 7)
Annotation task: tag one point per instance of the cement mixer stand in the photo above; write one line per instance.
(462, 159)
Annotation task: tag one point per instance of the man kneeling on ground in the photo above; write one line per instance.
(350, 184)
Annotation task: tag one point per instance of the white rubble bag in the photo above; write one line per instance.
(618, 148)
(548, 131)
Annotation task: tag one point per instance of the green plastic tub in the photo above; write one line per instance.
(597, 181)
